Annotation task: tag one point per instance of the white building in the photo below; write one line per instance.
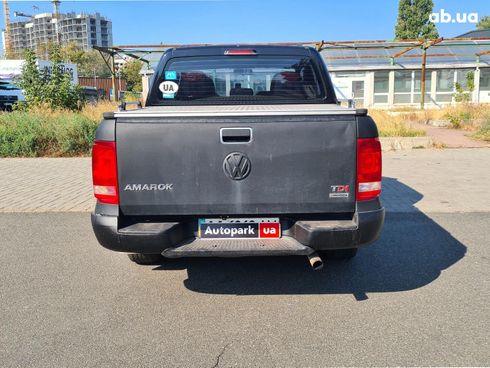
(371, 77)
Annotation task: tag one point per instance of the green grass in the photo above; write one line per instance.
(46, 133)
(55, 133)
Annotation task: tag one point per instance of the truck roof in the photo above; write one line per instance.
(259, 48)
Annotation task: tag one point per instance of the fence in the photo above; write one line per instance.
(102, 84)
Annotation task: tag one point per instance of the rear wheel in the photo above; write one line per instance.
(146, 259)
(348, 253)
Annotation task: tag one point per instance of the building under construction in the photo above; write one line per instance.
(85, 30)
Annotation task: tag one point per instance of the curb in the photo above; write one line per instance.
(404, 143)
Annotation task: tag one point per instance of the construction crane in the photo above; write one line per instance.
(8, 47)
(56, 6)
(21, 14)
(7, 35)
(25, 15)
(56, 13)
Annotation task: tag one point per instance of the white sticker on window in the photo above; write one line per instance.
(168, 87)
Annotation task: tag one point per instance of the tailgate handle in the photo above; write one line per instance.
(235, 135)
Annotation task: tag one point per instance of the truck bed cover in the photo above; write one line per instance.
(237, 110)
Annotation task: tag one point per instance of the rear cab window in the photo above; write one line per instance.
(238, 79)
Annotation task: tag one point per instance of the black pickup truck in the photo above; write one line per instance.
(240, 151)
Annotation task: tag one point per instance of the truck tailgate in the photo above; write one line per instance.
(176, 165)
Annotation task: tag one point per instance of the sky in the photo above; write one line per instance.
(240, 21)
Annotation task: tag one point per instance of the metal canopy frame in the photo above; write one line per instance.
(400, 49)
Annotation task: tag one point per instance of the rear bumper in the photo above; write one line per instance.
(154, 236)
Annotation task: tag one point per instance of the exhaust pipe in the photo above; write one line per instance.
(315, 261)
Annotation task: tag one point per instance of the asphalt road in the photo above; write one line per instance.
(419, 296)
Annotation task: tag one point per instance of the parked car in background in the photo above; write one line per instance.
(91, 95)
(9, 95)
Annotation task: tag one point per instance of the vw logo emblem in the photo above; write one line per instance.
(237, 166)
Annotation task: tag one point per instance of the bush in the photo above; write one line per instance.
(466, 116)
(463, 93)
(484, 132)
(40, 89)
(45, 133)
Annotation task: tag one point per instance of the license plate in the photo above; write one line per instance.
(239, 228)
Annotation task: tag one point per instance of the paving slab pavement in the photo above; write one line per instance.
(436, 180)
(450, 138)
(46, 185)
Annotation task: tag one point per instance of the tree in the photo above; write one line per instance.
(43, 49)
(484, 23)
(59, 90)
(32, 80)
(414, 20)
(131, 72)
(89, 63)
(42, 87)
(72, 53)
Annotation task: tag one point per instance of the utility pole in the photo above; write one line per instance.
(8, 35)
(425, 46)
(422, 78)
(115, 90)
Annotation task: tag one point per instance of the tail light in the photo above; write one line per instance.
(104, 172)
(368, 168)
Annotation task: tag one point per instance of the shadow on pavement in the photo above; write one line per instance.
(411, 253)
